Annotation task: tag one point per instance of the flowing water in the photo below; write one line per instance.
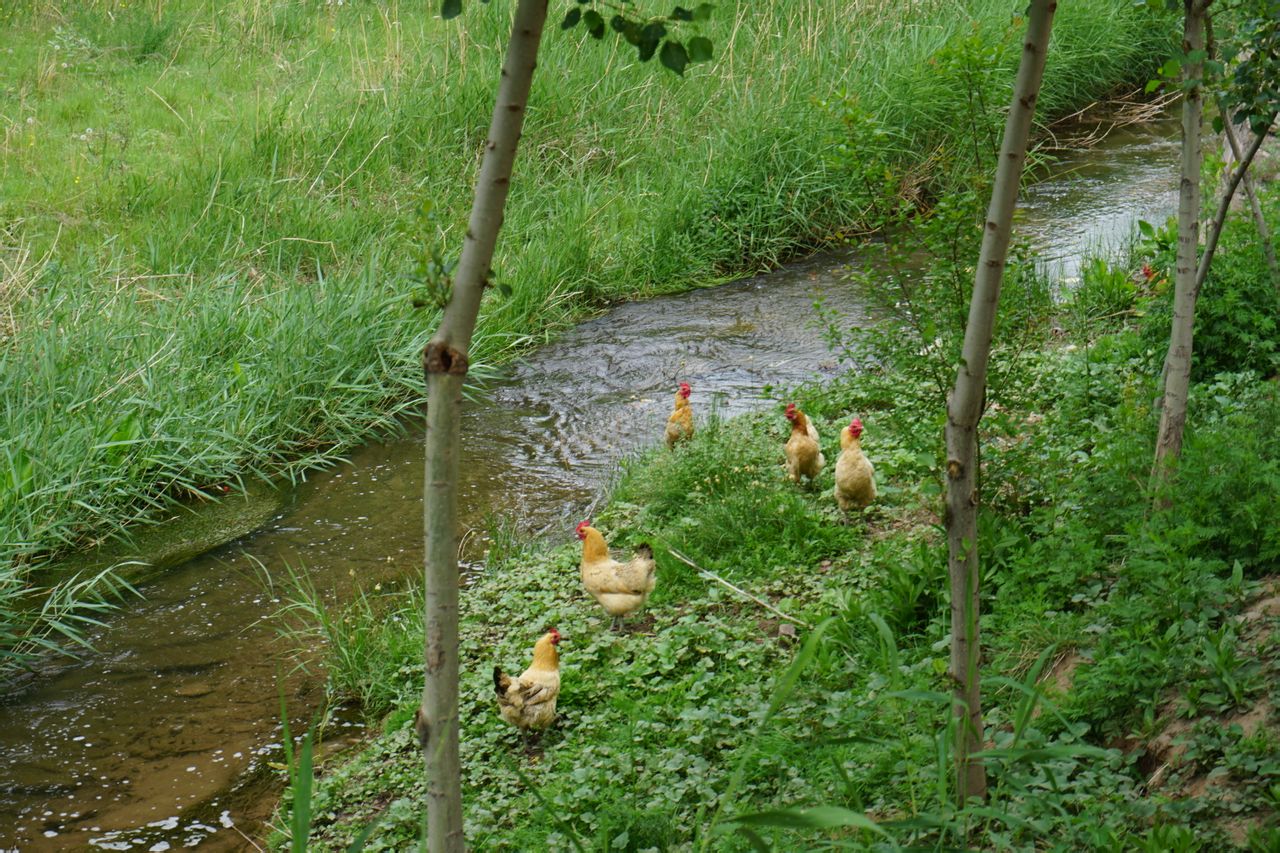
(161, 738)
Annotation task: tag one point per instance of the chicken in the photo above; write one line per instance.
(680, 424)
(529, 702)
(621, 588)
(804, 455)
(855, 478)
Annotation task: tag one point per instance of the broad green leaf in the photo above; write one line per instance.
(649, 38)
(818, 817)
(450, 9)
(700, 49)
(703, 12)
(594, 23)
(673, 56)
(654, 31)
(1002, 815)
(571, 19)
(680, 13)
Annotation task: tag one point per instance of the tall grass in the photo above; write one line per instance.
(204, 274)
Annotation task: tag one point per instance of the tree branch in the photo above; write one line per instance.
(1224, 204)
(1264, 236)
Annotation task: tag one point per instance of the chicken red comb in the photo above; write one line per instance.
(685, 390)
(855, 427)
(555, 635)
(582, 524)
(791, 410)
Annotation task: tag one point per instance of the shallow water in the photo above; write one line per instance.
(160, 738)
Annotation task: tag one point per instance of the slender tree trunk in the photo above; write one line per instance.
(1255, 207)
(1177, 363)
(964, 409)
(445, 363)
(1238, 174)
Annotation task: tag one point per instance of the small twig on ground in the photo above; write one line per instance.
(707, 573)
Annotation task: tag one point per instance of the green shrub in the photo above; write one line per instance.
(1236, 313)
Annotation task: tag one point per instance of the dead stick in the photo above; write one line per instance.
(715, 577)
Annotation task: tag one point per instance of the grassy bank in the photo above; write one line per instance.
(1132, 655)
(209, 207)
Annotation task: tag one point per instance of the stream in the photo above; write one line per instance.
(161, 737)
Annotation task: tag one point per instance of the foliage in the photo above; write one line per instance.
(1106, 293)
(656, 723)
(1236, 320)
(921, 316)
(206, 274)
(1251, 53)
(644, 33)
(38, 619)
(1241, 62)
(369, 635)
(297, 805)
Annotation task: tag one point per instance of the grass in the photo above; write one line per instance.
(210, 207)
(1132, 657)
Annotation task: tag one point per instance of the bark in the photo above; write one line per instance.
(445, 363)
(1238, 175)
(1177, 363)
(964, 408)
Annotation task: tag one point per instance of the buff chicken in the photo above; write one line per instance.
(855, 478)
(680, 423)
(804, 455)
(620, 588)
(529, 702)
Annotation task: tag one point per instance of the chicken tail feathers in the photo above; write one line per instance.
(644, 550)
(500, 681)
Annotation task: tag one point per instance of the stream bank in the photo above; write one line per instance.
(1131, 673)
(159, 737)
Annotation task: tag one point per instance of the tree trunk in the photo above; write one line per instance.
(1177, 363)
(964, 408)
(1238, 174)
(1255, 207)
(445, 363)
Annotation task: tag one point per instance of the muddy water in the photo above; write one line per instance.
(161, 738)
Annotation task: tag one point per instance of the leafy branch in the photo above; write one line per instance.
(650, 35)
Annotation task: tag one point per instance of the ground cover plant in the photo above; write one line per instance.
(1132, 651)
(212, 210)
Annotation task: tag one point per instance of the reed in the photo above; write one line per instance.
(205, 274)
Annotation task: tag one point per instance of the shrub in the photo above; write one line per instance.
(1235, 323)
